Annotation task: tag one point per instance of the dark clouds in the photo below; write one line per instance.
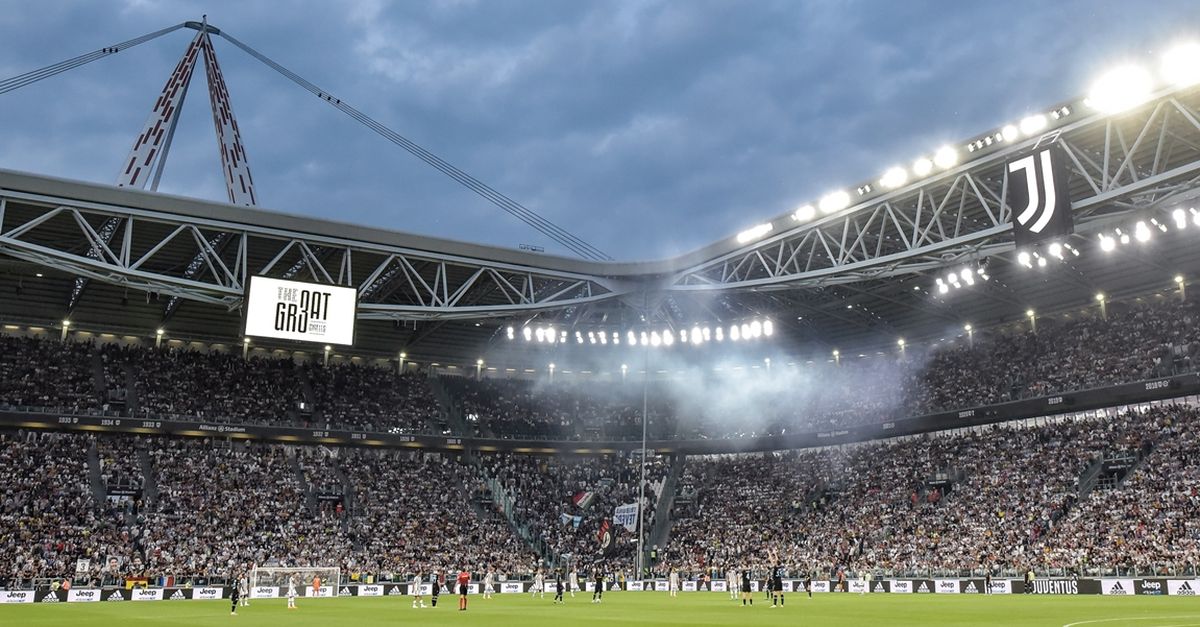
(647, 128)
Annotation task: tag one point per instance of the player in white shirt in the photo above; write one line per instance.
(574, 581)
(244, 591)
(539, 585)
(488, 587)
(673, 583)
(414, 589)
(731, 582)
(291, 596)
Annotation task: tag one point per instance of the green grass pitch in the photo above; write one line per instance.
(635, 608)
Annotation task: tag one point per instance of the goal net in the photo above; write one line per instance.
(272, 582)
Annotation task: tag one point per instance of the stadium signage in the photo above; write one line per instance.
(510, 587)
(1055, 586)
(17, 596)
(1152, 587)
(264, 592)
(207, 593)
(147, 594)
(83, 595)
(946, 586)
(303, 312)
(1039, 193)
(370, 591)
(1116, 587)
(901, 586)
(1183, 587)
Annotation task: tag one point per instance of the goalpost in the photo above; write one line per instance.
(271, 582)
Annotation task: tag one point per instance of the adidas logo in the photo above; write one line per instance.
(1117, 589)
(1186, 590)
(395, 591)
(115, 596)
(178, 596)
(344, 592)
(923, 587)
(971, 588)
(50, 598)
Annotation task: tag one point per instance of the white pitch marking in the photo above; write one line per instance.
(1113, 620)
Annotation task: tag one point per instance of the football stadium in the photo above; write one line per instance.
(961, 390)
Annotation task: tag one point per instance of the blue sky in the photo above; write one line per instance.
(648, 128)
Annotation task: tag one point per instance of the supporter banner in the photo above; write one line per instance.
(264, 592)
(146, 594)
(17, 596)
(509, 587)
(857, 586)
(626, 516)
(689, 586)
(370, 591)
(1183, 587)
(174, 594)
(1117, 587)
(634, 586)
(1170, 387)
(208, 594)
(820, 586)
(1152, 587)
(83, 595)
(901, 586)
(972, 586)
(82, 565)
(946, 586)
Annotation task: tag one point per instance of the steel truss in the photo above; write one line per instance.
(1138, 160)
(153, 250)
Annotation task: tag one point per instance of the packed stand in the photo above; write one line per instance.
(47, 374)
(366, 398)
(191, 385)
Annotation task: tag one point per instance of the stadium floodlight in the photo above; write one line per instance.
(1041, 261)
(945, 157)
(1181, 64)
(1195, 217)
(837, 353)
(668, 338)
(1100, 297)
(631, 338)
(527, 333)
(943, 288)
(922, 166)
(768, 328)
(894, 177)
(510, 332)
(479, 362)
(735, 333)
(754, 232)
(698, 335)
(804, 213)
(719, 333)
(1120, 88)
(1179, 278)
(746, 331)
(1024, 259)
(579, 337)
(245, 340)
(1010, 133)
(1033, 124)
(604, 337)
(540, 334)
(756, 329)
(1056, 249)
(1029, 313)
(1141, 231)
(403, 355)
(968, 328)
(900, 342)
(834, 201)
(551, 366)
(655, 340)
(1180, 217)
(159, 332)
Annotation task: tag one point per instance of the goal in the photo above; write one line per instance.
(270, 581)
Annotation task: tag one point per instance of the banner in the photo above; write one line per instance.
(174, 594)
(147, 594)
(901, 586)
(879, 585)
(661, 585)
(207, 594)
(583, 498)
(509, 587)
(689, 586)
(972, 586)
(83, 595)
(17, 596)
(324, 591)
(946, 586)
(1002, 586)
(305, 312)
(634, 586)
(1152, 587)
(370, 591)
(820, 586)
(1116, 587)
(923, 586)
(82, 565)
(1183, 587)
(1054, 586)
(626, 516)
(857, 585)
(264, 592)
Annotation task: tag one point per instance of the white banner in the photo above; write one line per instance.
(549, 586)
(1183, 587)
(661, 585)
(789, 585)
(718, 585)
(264, 592)
(147, 594)
(206, 594)
(83, 595)
(1118, 587)
(902, 586)
(1001, 586)
(626, 516)
(306, 312)
(688, 586)
(509, 587)
(858, 585)
(82, 565)
(17, 596)
(370, 591)
(325, 591)
(946, 586)
(635, 586)
(472, 588)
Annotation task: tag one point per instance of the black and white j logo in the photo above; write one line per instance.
(1039, 183)
(1039, 195)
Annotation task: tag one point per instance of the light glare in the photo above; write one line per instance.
(1119, 89)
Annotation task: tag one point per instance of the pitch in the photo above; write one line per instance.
(689, 609)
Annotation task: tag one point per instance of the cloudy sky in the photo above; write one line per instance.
(647, 128)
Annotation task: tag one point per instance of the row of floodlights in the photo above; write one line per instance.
(1121, 88)
(1055, 250)
(645, 337)
(1143, 230)
(961, 278)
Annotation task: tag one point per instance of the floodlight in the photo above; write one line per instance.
(1180, 217)
(1179, 278)
(894, 177)
(1119, 89)
(756, 329)
(328, 348)
(1056, 249)
(836, 352)
(708, 333)
(922, 166)
(697, 335)
(945, 157)
(604, 337)
(735, 333)
(1107, 244)
(1024, 259)
(754, 232)
(159, 332)
(655, 340)
(768, 328)
(479, 362)
(1141, 232)
(968, 328)
(1100, 296)
(632, 338)
(1181, 64)
(1124, 238)
(668, 338)
(943, 288)
(804, 213)
(834, 201)
(745, 331)
(1033, 124)
(1010, 133)
(1041, 262)
(527, 332)
(645, 339)
(900, 342)
(720, 333)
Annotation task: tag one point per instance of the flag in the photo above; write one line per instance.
(584, 498)
(626, 516)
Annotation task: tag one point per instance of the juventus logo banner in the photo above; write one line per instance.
(1039, 195)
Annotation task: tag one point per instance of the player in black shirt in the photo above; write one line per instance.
(746, 596)
(435, 589)
(234, 596)
(808, 583)
(598, 593)
(777, 585)
(558, 587)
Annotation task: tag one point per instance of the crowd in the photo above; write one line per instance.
(357, 397)
(46, 374)
(562, 502)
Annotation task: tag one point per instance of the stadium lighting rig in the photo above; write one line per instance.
(1143, 230)
(966, 276)
(1054, 251)
(1119, 89)
(696, 335)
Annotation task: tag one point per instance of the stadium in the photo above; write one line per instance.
(965, 390)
